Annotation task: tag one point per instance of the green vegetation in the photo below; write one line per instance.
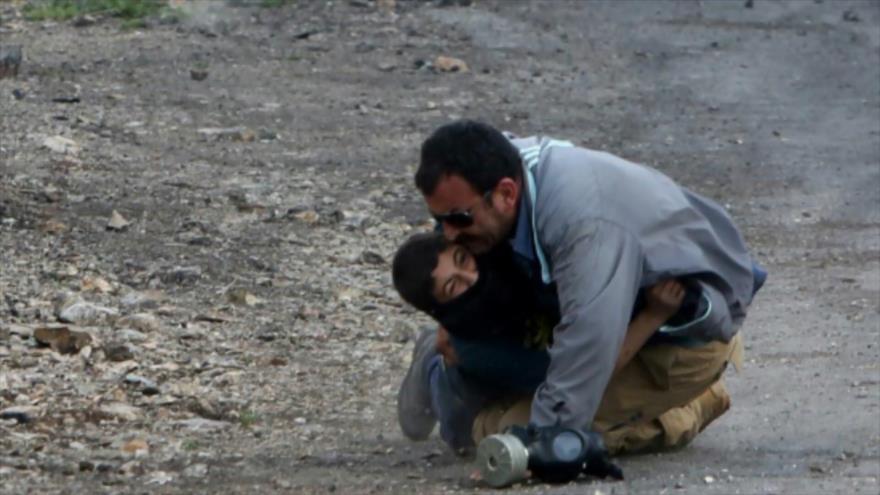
(275, 3)
(133, 12)
(190, 445)
(248, 418)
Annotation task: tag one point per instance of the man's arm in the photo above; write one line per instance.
(597, 267)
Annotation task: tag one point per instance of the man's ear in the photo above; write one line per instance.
(508, 190)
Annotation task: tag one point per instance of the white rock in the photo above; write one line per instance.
(85, 312)
(196, 471)
(121, 410)
(21, 330)
(129, 335)
(159, 478)
(61, 144)
(142, 300)
(142, 322)
(117, 221)
(201, 424)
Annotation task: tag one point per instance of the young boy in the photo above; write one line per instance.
(488, 297)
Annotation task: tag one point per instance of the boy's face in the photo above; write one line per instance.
(456, 272)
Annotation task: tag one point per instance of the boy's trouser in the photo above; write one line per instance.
(661, 399)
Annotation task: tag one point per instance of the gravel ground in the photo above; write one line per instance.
(197, 218)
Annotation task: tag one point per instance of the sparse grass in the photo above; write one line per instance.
(248, 418)
(132, 12)
(275, 3)
(190, 445)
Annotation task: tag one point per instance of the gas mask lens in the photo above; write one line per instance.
(567, 446)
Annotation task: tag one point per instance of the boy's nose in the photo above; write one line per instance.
(469, 277)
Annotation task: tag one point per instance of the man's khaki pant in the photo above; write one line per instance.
(660, 400)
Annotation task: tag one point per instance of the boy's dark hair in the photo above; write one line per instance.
(413, 264)
(477, 152)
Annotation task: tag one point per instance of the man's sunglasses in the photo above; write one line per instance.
(460, 219)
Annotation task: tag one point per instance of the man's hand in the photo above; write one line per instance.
(444, 347)
(664, 299)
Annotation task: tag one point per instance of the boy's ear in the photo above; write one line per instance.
(508, 191)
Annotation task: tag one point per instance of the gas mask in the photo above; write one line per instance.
(554, 454)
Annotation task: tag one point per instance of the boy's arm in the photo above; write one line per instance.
(662, 301)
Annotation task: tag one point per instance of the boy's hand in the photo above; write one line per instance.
(664, 298)
(444, 347)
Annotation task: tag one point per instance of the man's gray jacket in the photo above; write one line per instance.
(603, 228)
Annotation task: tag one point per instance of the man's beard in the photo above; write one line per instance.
(499, 303)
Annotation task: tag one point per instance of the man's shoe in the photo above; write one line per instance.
(414, 411)
(712, 403)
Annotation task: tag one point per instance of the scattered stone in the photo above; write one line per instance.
(228, 133)
(84, 21)
(10, 60)
(18, 94)
(82, 312)
(709, 479)
(121, 410)
(142, 322)
(159, 478)
(241, 297)
(851, 16)
(181, 275)
(386, 5)
(196, 471)
(310, 217)
(201, 424)
(23, 331)
(131, 468)
(61, 144)
(62, 340)
(149, 299)
(136, 447)
(117, 222)
(204, 408)
(450, 64)
(269, 334)
(387, 66)
(95, 284)
(278, 361)
(198, 74)
(130, 335)
(118, 352)
(20, 414)
(372, 258)
(148, 387)
(211, 318)
(267, 135)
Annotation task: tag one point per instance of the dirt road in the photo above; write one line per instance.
(263, 159)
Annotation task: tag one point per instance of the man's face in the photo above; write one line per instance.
(491, 216)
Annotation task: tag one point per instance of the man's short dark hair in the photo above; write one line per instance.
(477, 152)
(413, 264)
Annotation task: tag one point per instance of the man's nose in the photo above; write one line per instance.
(450, 231)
